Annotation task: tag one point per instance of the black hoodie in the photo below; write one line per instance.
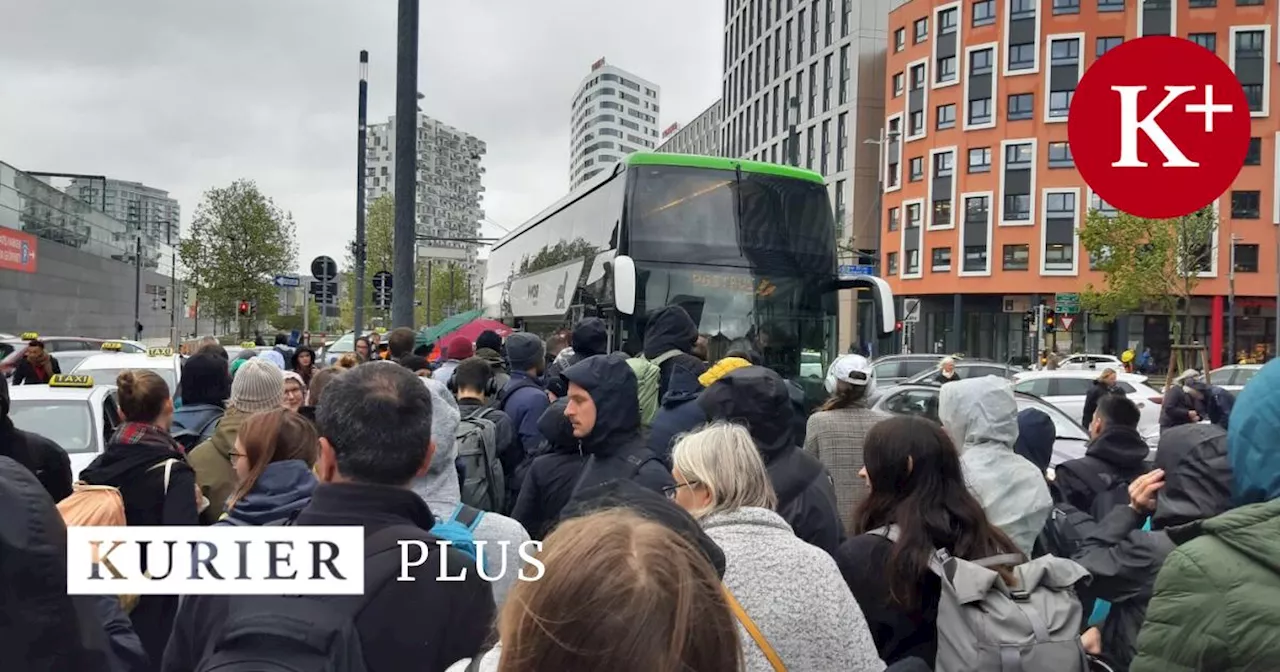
(615, 447)
(1117, 456)
(590, 337)
(758, 398)
(46, 459)
(548, 479)
(671, 328)
(310, 371)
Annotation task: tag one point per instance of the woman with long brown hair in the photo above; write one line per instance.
(619, 592)
(273, 456)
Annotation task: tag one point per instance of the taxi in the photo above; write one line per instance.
(12, 349)
(104, 367)
(72, 411)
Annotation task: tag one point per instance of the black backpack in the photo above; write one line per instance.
(1062, 532)
(190, 438)
(634, 460)
(304, 633)
(1109, 489)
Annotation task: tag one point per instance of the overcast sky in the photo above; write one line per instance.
(185, 96)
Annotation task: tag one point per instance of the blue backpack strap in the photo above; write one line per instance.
(467, 516)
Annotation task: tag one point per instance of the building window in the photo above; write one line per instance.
(913, 262)
(899, 84)
(1021, 106)
(1064, 52)
(943, 164)
(1060, 155)
(916, 169)
(916, 127)
(1060, 204)
(948, 21)
(921, 30)
(913, 216)
(893, 219)
(946, 116)
(975, 258)
(1111, 5)
(899, 41)
(1245, 204)
(1060, 103)
(842, 141)
(1106, 44)
(984, 13)
(1023, 9)
(1207, 40)
(844, 75)
(1254, 157)
(1250, 3)
(946, 69)
(1253, 94)
(1059, 257)
(980, 111)
(826, 145)
(891, 262)
(977, 209)
(1017, 208)
(1022, 56)
(1066, 6)
(1249, 43)
(917, 77)
(1017, 257)
(1246, 258)
(1202, 4)
(980, 160)
(846, 12)
(980, 62)
(1018, 157)
(941, 213)
(840, 209)
(941, 260)
(812, 153)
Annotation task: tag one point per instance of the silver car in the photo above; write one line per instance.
(1233, 378)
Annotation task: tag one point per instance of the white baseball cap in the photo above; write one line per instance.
(851, 369)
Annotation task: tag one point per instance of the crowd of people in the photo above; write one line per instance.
(690, 517)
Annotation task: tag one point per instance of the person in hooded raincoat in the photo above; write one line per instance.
(982, 417)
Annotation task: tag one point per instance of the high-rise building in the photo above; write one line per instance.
(815, 66)
(984, 207)
(700, 136)
(614, 113)
(448, 210)
(138, 206)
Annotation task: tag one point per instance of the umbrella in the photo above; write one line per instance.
(470, 331)
(469, 324)
(429, 335)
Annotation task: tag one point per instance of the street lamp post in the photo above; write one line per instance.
(1231, 301)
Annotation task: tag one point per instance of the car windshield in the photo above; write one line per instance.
(68, 424)
(345, 344)
(108, 376)
(1065, 427)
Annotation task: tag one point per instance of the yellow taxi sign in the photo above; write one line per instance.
(248, 345)
(112, 346)
(159, 352)
(29, 336)
(69, 380)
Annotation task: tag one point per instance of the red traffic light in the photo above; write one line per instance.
(244, 307)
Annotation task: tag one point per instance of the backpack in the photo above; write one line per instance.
(190, 438)
(1061, 535)
(985, 624)
(304, 633)
(649, 382)
(1109, 489)
(484, 483)
(459, 529)
(103, 505)
(634, 459)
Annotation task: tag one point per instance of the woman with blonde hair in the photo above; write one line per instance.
(273, 457)
(792, 605)
(619, 592)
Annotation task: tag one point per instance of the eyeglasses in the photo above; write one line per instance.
(671, 490)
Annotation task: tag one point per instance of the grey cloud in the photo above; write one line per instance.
(190, 95)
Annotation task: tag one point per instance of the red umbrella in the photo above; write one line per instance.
(471, 331)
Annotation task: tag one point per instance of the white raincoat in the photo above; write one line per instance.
(981, 416)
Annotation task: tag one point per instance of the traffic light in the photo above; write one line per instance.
(1028, 319)
(244, 308)
(164, 300)
(1050, 320)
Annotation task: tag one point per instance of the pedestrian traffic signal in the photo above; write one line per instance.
(244, 308)
(164, 301)
(1050, 319)
(1028, 319)
(382, 289)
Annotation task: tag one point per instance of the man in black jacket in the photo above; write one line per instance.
(670, 331)
(1117, 454)
(758, 398)
(590, 338)
(604, 410)
(46, 459)
(375, 429)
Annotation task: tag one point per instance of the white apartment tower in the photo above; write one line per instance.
(818, 65)
(449, 186)
(614, 113)
(138, 206)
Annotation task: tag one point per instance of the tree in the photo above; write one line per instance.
(239, 240)
(1147, 262)
(451, 291)
(554, 255)
(379, 232)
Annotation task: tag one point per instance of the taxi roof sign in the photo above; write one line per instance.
(159, 352)
(69, 380)
(29, 336)
(248, 345)
(112, 346)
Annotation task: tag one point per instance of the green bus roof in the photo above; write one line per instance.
(694, 161)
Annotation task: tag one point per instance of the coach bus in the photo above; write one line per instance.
(747, 248)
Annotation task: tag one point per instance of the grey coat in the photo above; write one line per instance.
(794, 593)
(836, 438)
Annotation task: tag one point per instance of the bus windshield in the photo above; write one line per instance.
(764, 222)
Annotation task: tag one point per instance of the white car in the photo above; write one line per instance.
(1083, 362)
(77, 413)
(1067, 390)
(1234, 377)
(106, 366)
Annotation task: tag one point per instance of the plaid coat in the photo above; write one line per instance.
(835, 438)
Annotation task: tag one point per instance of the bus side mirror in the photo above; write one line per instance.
(623, 270)
(881, 298)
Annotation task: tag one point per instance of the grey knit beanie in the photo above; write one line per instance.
(258, 386)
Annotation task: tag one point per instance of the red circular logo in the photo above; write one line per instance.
(1159, 127)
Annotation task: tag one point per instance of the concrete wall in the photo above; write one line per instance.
(75, 293)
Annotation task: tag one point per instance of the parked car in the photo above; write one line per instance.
(922, 400)
(1233, 378)
(1067, 390)
(968, 368)
(1085, 362)
(893, 369)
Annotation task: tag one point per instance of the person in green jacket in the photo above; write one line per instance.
(1216, 604)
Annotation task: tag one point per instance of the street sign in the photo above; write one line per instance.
(1066, 302)
(326, 293)
(910, 311)
(847, 271)
(1066, 321)
(382, 289)
(324, 268)
(287, 281)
